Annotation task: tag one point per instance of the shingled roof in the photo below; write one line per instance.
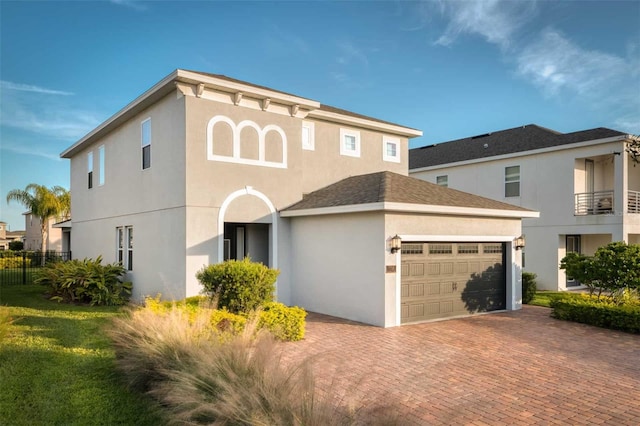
(518, 139)
(389, 187)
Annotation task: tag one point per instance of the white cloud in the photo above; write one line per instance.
(496, 20)
(350, 53)
(133, 4)
(554, 63)
(33, 109)
(8, 85)
(36, 151)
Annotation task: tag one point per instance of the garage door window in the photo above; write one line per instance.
(440, 248)
(492, 248)
(412, 248)
(467, 248)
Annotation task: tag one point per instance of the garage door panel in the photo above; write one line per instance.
(417, 269)
(467, 280)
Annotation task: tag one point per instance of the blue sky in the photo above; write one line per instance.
(451, 69)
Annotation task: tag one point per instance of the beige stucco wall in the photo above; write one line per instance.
(33, 234)
(337, 266)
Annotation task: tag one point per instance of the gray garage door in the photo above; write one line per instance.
(442, 280)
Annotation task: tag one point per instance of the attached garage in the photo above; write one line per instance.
(457, 254)
(448, 279)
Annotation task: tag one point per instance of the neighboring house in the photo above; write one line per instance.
(8, 236)
(58, 238)
(203, 168)
(584, 184)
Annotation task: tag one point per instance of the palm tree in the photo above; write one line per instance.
(44, 203)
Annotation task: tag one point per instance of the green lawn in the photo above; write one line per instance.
(15, 276)
(57, 366)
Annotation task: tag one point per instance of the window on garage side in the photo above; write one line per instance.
(391, 149)
(442, 180)
(512, 181)
(90, 170)
(440, 248)
(145, 130)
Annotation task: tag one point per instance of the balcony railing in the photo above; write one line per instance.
(633, 201)
(590, 203)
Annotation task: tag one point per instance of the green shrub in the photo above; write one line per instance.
(284, 322)
(16, 245)
(85, 281)
(239, 285)
(601, 312)
(14, 262)
(225, 322)
(529, 287)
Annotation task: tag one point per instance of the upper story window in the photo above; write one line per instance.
(391, 149)
(146, 143)
(350, 143)
(90, 170)
(308, 136)
(442, 180)
(512, 181)
(101, 165)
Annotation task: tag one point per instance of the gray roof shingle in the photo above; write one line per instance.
(393, 188)
(518, 139)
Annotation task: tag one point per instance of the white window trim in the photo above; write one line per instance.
(311, 143)
(127, 249)
(90, 161)
(390, 140)
(513, 181)
(355, 134)
(101, 161)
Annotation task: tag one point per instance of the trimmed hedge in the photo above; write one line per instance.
(529, 287)
(239, 286)
(601, 313)
(14, 262)
(284, 322)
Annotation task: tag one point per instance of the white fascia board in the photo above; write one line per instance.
(458, 238)
(247, 89)
(412, 208)
(162, 84)
(367, 124)
(353, 208)
(458, 211)
(523, 153)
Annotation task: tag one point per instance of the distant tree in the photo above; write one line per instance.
(44, 203)
(16, 245)
(633, 148)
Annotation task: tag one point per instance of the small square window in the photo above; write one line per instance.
(391, 149)
(349, 143)
(443, 180)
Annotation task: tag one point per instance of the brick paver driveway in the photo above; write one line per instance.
(501, 369)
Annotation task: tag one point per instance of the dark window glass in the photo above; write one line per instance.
(146, 157)
(90, 176)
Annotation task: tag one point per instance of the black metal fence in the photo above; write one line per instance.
(18, 267)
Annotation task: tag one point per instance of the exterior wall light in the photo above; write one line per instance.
(396, 243)
(519, 242)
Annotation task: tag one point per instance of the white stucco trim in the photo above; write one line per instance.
(247, 190)
(411, 208)
(363, 122)
(522, 153)
(398, 288)
(237, 148)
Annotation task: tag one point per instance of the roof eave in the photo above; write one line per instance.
(361, 122)
(412, 208)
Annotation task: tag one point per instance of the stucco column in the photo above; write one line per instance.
(621, 189)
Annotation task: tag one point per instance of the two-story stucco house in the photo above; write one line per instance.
(7, 237)
(203, 168)
(58, 233)
(584, 184)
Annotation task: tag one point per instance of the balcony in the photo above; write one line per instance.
(602, 202)
(592, 203)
